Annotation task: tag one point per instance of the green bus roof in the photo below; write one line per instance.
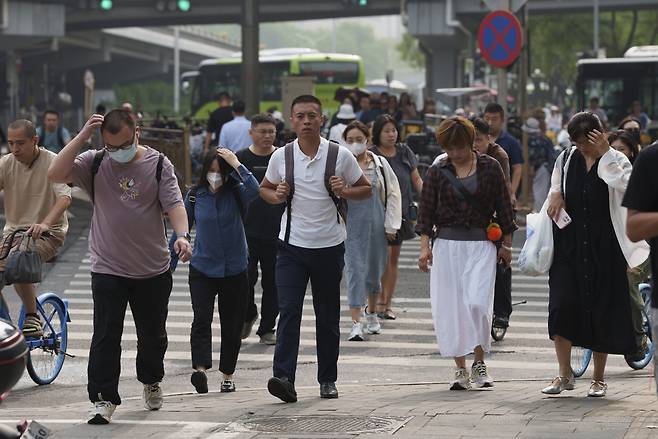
(277, 55)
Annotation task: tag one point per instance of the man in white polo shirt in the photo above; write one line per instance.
(310, 244)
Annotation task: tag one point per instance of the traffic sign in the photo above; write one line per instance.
(500, 38)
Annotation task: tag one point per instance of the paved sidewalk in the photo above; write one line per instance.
(513, 409)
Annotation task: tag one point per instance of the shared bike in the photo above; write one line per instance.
(47, 353)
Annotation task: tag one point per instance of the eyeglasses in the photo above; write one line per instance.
(128, 144)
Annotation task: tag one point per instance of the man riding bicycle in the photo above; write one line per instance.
(31, 202)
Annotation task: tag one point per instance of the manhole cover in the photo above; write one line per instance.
(324, 424)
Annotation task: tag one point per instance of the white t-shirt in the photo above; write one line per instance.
(313, 221)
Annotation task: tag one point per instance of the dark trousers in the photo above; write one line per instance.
(503, 290)
(231, 292)
(263, 251)
(148, 299)
(294, 267)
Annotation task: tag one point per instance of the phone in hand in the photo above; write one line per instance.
(563, 219)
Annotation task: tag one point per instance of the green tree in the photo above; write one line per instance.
(148, 96)
(410, 52)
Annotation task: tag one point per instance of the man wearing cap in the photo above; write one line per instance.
(541, 157)
(345, 116)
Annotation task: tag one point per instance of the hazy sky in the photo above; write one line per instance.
(389, 26)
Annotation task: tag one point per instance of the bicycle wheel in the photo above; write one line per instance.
(46, 359)
(646, 324)
(580, 358)
(498, 333)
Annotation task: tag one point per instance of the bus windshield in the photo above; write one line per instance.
(618, 82)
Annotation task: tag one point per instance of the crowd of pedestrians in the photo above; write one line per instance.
(316, 207)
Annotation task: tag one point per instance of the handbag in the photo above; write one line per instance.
(23, 264)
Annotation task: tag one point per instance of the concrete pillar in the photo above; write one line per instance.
(441, 68)
(12, 84)
(250, 47)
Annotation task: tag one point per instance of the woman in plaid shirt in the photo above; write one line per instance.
(460, 195)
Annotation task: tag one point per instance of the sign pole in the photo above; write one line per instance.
(502, 72)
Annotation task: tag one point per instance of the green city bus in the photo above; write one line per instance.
(331, 70)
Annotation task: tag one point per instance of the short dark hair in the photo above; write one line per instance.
(494, 108)
(23, 124)
(262, 118)
(583, 123)
(379, 125)
(457, 131)
(628, 140)
(116, 119)
(305, 99)
(358, 125)
(239, 107)
(223, 95)
(49, 111)
(481, 125)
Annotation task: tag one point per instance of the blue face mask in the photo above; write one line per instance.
(124, 155)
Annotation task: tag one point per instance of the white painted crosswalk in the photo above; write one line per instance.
(408, 341)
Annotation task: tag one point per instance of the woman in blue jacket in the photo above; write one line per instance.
(219, 261)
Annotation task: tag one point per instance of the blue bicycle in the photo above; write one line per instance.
(47, 353)
(580, 357)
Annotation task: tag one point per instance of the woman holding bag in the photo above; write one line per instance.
(588, 289)
(385, 140)
(460, 196)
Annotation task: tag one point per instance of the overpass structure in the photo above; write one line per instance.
(33, 33)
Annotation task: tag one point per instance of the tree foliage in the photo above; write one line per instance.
(410, 51)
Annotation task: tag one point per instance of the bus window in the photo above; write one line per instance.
(610, 93)
(331, 72)
(271, 74)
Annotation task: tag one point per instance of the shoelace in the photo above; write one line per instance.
(103, 404)
(227, 383)
(480, 369)
(152, 388)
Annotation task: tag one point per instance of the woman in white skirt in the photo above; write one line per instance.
(460, 196)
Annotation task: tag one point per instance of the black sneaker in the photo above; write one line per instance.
(200, 381)
(247, 327)
(328, 391)
(282, 388)
(641, 351)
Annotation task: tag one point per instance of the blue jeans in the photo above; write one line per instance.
(294, 267)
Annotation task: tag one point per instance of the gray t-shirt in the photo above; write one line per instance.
(127, 235)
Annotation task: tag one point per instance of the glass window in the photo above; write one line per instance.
(331, 72)
(220, 78)
(271, 74)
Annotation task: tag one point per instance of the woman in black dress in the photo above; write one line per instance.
(589, 299)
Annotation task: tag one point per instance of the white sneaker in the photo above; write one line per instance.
(461, 381)
(357, 332)
(152, 396)
(479, 375)
(102, 413)
(372, 323)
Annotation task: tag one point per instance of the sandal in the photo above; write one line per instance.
(380, 314)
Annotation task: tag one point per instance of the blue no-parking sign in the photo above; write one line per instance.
(500, 38)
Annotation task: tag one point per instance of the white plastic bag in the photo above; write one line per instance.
(536, 255)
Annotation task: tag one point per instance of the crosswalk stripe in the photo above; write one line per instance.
(375, 360)
(307, 316)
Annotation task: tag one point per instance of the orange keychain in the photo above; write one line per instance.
(494, 232)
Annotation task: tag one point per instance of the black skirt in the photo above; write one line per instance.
(589, 301)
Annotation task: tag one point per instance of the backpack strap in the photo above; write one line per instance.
(289, 162)
(191, 196)
(158, 169)
(330, 170)
(95, 166)
(462, 192)
(380, 167)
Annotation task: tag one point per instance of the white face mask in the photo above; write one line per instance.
(215, 180)
(356, 148)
